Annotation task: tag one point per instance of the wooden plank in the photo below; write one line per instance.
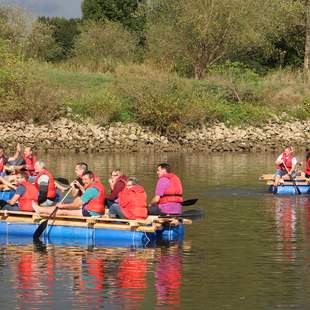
(270, 177)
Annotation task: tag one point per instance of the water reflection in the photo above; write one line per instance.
(93, 278)
(285, 215)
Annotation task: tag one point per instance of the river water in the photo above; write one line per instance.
(251, 250)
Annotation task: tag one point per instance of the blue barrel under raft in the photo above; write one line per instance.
(89, 231)
(289, 189)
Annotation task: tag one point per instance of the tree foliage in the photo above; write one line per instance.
(203, 32)
(106, 40)
(65, 32)
(25, 35)
(126, 12)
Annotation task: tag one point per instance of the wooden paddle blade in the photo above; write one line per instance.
(37, 234)
(63, 181)
(189, 202)
(189, 214)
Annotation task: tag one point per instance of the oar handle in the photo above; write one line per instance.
(61, 201)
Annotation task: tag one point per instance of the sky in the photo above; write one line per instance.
(64, 8)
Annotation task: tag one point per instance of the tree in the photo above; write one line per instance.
(200, 33)
(25, 35)
(65, 32)
(106, 39)
(125, 12)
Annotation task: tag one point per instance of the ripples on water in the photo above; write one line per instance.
(250, 251)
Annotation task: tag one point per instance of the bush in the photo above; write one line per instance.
(101, 107)
(104, 42)
(22, 96)
(157, 99)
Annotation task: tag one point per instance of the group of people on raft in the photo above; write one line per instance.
(36, 190)
(286, 164)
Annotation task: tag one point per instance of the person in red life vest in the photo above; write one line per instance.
(45, 183)
(25, 194)
(132, 202)
(168, 193)
(307, 171)
(117, 183)
(91, 203)
(286, 163)
(29, 160)
(78, 187)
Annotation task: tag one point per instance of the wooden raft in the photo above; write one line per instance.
(299, 180)
(151, 224)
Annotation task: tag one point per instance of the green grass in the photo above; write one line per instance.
(142, 95)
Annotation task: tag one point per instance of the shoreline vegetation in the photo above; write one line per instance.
(154, 78)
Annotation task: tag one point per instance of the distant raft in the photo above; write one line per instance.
(299, 186)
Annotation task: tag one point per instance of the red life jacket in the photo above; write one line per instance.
(30, 161)
(31, 194)
(133, 202)
(96, 204)
(96, 178)
(287, 161)
(2, 163)
(307, 171)
(51, 190)
(174, 193)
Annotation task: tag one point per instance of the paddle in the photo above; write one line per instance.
(293, 180)
(188, 214)
(63, 181)
(189, 202)
(43, 225)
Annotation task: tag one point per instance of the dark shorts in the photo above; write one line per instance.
(85, 212)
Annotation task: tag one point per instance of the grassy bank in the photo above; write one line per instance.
(171, 104)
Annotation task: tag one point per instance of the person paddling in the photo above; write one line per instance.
(91, 203)
(25, 194)
(168, 193)
(45, 184)
(286, 163)
(132, 202)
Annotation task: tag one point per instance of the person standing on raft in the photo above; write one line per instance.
(168, 192)
(286, 163)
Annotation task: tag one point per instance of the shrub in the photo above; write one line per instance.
(22, 96)
(157, 99)
(105, 42)
(101, 107)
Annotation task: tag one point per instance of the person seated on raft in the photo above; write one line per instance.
(25, 194)
(117, 183)
(168, 193)
(91, 203)
(77, 184)
(27, 162)
(286, 163)
(7, 163)
(307, 170)
(132, 202)
(45, 184)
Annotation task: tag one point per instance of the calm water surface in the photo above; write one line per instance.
(250, 251)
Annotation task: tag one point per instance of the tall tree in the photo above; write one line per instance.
(125, 12)
(202, 32)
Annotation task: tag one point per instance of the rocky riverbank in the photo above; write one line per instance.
(66, 135)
